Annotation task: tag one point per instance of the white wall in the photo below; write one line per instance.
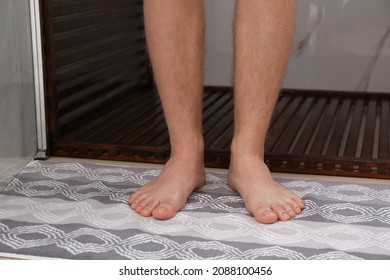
(339, 45)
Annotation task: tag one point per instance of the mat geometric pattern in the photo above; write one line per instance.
(80, 211)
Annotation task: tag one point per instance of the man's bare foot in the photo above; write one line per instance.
(265, 199)
(165, 196)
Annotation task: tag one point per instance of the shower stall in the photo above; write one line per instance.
(101, 103)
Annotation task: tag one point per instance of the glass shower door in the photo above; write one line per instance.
(19, 83)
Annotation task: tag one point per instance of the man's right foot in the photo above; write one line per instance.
(165, 196)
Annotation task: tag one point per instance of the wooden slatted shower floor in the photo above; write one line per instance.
(310, 132)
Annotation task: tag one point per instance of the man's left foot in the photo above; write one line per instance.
(267, 200)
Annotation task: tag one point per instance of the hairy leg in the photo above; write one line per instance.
(175, 37)
(263, 35)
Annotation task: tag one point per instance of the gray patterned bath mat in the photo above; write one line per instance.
(80, 211)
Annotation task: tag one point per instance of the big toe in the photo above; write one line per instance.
(265, 215)
(164, 211)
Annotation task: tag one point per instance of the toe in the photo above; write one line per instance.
(298, 201)
(297, 210)
(145, 212)
(290, 209)
(142, 202)
(140, 199)
(265, 215)
(133, 197)
(148, 209)
(134, 204)
(139, 207)
(282, 214)
(296, 207)
(164, 211)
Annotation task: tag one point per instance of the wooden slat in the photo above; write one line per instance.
(95, 77)
(113, 130)
(312, 122)
(290, 131)
(98, 17)
(353, 134)
(98, 122)
(219, 122)
(80, 52)
(131, 127)
(68, 72)
(222, 142)
(368, 142)
(384, 132)
(148, 123)
(85, 35)
(335, 142)
(213, 108)
(130, 130)
(277, 130)
(93, 93)
(94, 105)
(282, 103)
(325, 127)
(72, 7)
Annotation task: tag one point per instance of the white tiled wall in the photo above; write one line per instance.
(339, 45)
(17, 111)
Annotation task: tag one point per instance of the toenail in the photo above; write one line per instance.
(267, 212)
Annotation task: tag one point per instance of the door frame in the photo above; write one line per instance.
(38, 71)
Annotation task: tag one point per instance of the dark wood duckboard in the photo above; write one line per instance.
(102, 104)
(94, 53)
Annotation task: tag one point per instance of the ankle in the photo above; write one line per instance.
(246, 149)
(192, 148)
(187, 162)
